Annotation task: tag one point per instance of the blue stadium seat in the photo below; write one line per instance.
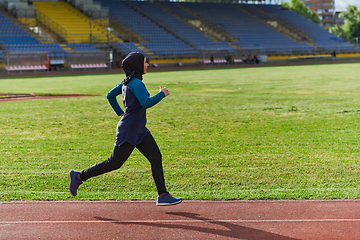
(14, 39)
(322, 38)
(83, 47)
(128, 47)
(148, 29)
(181, 29)
(250, 32)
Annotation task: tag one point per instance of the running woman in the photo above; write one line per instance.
(131, 130)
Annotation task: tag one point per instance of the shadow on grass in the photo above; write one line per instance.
(234, 230)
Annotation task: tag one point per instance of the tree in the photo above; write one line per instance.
(301, 9)
(339, 31)
(351, 29)
(352, 13)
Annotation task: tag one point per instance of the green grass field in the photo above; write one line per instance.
(248, 133)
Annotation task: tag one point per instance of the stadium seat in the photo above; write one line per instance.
(321, 37)
(20, 41)
(148, 29)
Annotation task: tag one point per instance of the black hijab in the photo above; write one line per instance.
(133, 65)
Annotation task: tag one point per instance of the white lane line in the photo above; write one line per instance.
(183, 221)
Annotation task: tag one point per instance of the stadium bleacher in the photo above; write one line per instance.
(252, 33)
(167, 30)
(178, 27)
(71, 24)
(322, 38)
(159, 41)
(31, 46)
(127, 47)
(83, 47)
(16, 40)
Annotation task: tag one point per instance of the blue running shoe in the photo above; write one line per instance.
(167, 200)
(74, 183)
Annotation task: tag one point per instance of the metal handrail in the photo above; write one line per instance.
(50, 24)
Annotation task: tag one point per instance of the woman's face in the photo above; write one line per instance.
(146, 65)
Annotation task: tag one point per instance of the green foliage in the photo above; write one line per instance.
(351, 29)
(339, 31)
(298, 7)
(249, 133)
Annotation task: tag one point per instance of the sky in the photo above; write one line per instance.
(340, 5)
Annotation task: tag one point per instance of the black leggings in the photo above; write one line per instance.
(120, 154)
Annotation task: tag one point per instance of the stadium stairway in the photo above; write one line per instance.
(280, 26)
(283, 27)
(66, 47)
(161, 43)
(148, 9)
(126, 33)
(180, 24)
(252, 33)
(46, 33)
(209, 29)
(70, 24)
(323, 39)
(140, 8)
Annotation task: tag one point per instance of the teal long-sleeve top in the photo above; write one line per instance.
(132, 126)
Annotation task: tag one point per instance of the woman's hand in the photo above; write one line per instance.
(164, 90)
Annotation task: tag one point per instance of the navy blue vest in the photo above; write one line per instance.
(131, 127)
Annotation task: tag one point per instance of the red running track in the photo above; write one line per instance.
(259, 220)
